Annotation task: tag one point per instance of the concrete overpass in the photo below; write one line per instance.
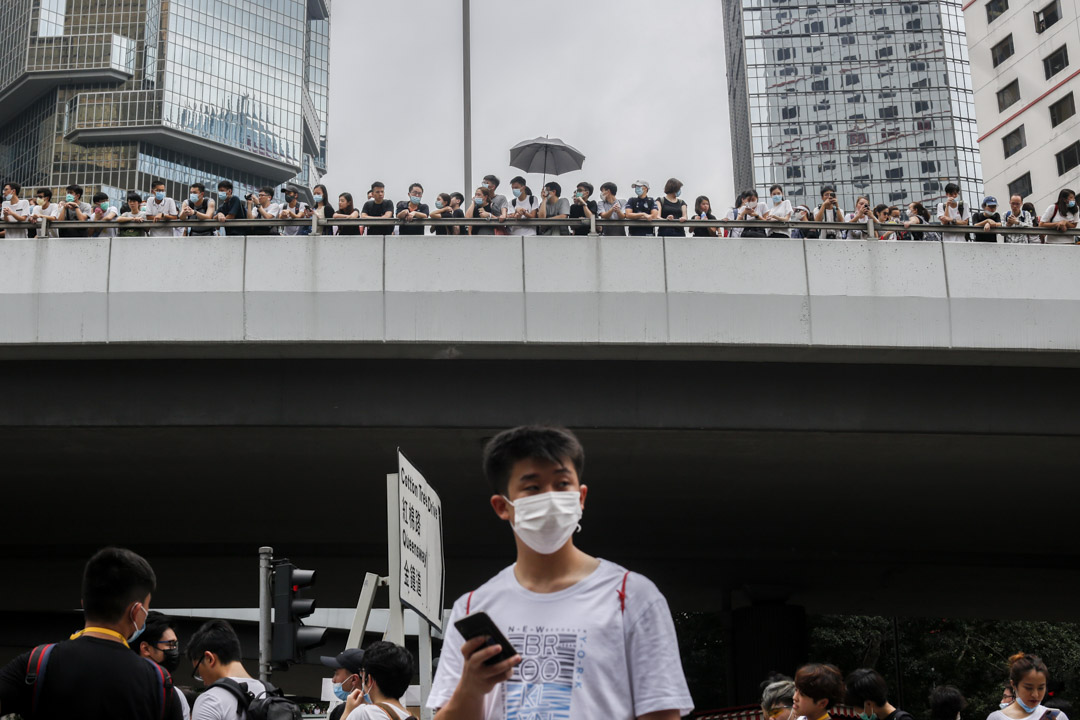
(847, 426)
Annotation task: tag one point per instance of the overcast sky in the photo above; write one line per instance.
(639, 87)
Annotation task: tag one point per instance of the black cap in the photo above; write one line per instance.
(349, 659)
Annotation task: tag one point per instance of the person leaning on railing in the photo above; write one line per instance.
(229, 207)
(15, 209)
(347, 211)
(135, 215)
(828, 211)
(262, 207)
(702, 211)
(1062, 215)
(104, 211)
(449, 207)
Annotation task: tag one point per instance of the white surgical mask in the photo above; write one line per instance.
(546, 521)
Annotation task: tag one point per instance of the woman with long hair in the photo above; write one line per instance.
(347, 211)
(1028, 677)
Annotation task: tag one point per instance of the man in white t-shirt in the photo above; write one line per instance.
(386, 671)
(953, 212)
(14, 208)
(594, 640)
(160, 210)
(214, 652)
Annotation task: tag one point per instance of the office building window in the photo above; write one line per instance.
(1068, 158)
(1014, 142)
(1047, 16)
(1062, 110)
(922, 106)
(1003, 51)
(929, 166)
(1056, 62)
(1008, 95)
(995, 9)
(1021, 186)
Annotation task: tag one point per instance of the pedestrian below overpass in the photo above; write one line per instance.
(867, 690)
(160, 644)
(818, 689)
(947, 702)
(1028, 677)
(594, 640)
(386, 671)
(776, 700)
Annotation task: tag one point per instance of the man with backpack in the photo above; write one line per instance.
(385, 673)
(231, 694)
(593, 639)
(94, 675)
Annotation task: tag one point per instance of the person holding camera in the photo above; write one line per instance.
(262, 207)
(293, 209)
(828, 211)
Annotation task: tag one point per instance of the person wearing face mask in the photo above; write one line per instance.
(946, 703)
(14, 208)
(609, 208)
(447, 206)
(346, 678)
(641, 207)
(160, 644)
(535, 478)
(387, 670)
(553, 206)
(1062, 216)
(294, 209)
(499, 203)
(103, 210)
(778, 209)
(198, 207)
(523, 206)
(320, 202)
(161, 209)
(73, 209)
(229, 207)
(953, 212)
(481, 207)
(672, 209)
(749, 209)
(1028, 677)
(1008, 697)
(582, 207)
(411, 210)
(867, 692)
(94, 674)
(214, 654)
(800, 213)
(44, 207)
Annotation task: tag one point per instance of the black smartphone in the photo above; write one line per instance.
(480, 624)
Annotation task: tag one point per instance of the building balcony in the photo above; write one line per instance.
(103, 58)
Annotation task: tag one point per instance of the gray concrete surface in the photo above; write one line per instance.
(513, 291)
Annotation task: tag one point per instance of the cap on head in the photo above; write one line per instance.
(990, 200)
(350, 660)
(643, 183)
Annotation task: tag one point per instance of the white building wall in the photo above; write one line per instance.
(1037, 94)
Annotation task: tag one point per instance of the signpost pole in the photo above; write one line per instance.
(424, 633)
(363, 609)
(395, 628)
(266, 556)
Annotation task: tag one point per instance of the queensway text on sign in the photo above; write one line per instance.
(420, 513)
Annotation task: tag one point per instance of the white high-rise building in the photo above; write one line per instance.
(1025, 66)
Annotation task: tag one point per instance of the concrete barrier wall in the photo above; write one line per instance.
(540, 290)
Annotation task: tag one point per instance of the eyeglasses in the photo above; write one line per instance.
(195, 670)
(778, 710)
(169, 644)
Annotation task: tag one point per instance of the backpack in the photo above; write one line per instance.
(39, 660)
(392, 715)
(270, 705)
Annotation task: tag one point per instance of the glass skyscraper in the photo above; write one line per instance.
(111, 94)
(872, 97)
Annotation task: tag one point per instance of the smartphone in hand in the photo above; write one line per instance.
(480, 624)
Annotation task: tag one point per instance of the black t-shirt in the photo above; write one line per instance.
(977, 217)
(411, 228)
(445, 229)
(578, 211)
(671, 209)
(377, 210)
(482, 229)
(345, 229)
(701, 231)
(92, 679)
(235, 207)
(640, 205)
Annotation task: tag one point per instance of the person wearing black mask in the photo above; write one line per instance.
(159, 643)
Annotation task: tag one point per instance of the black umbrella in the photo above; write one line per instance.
(546, 155)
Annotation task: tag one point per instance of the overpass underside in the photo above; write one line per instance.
(852, 427)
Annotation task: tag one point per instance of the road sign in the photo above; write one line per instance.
(419, 535)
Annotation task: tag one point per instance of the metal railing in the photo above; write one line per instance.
(869, 230)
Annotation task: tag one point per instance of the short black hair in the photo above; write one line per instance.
(946, 702)
(199, 185)
(865, 684)
(390, 665)
(156, 625)
(827, 189)
(749, 193)
(610, 187)
(100, 197)
(952, 188)
(16, 187)
(493, 180)
(517, 180)
(555, 188)
(880, 208)
(224, 185)
(218, 637)
(155, 183)
(586, 186)
(416, 185)
(112, 580)
(268, 190)
(458, 196)
(377, 184)
(817, 681)
(47, 192)
(134, 197)
(75, 189)
(527, 442)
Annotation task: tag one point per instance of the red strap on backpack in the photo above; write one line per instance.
(35, 670)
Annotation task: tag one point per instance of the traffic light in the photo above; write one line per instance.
(291, 638)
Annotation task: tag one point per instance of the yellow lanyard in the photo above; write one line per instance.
(102, 631)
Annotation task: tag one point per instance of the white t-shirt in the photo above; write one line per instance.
(833, 215)
(855, 234)
(533, 203)
(782, 210)
(52, 212)
(165, 207)
(1053, 216)
(19, 207)
(583, 655)
(955, 214)
(294, 229)
(109, 214)
(1039, 710)
(220, 704)
(374, 712)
